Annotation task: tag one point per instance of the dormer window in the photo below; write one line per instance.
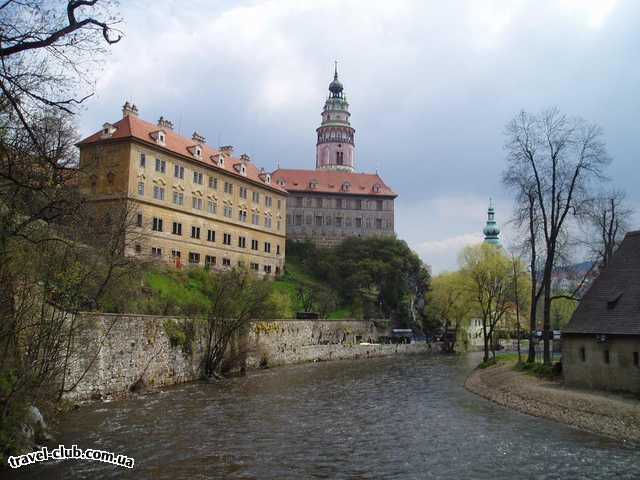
(107, 130)
(196, 151)
(221, 160)
(376, 188)
(313, 184)
(243, 170)
(268, 179)
(160, 137)
(346, 186)
(281, 182)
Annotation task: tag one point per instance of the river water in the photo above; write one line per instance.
(391, 418)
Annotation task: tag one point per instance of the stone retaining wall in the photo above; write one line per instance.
(123, 353)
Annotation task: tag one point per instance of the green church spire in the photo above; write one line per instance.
(491, 229)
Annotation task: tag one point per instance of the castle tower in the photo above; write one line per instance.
(335, 147)
(491, 230)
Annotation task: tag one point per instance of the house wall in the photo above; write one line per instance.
(619, 374)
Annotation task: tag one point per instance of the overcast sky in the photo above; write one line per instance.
(431, 86)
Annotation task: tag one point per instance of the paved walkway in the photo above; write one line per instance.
(606, 414)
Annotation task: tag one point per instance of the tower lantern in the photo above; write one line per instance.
(491, 230)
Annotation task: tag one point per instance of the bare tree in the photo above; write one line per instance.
(558, 159)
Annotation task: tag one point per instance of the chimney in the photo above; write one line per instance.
(227, 150)
(164, 123)
(245, 158)
(129, 109)
(196, 137)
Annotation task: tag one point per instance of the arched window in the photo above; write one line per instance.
(340, 158)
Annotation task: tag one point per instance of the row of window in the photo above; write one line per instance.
(198, 178)
(606, 357)
(357, 222)
(339, 203)
(197, 203)
(194, 258)
(157, 225)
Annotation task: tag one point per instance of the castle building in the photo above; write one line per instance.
(193, 204)
(334, 202)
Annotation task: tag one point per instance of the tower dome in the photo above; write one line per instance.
(491, 230)
(335, 87)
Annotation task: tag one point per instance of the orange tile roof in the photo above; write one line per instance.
(332, 181)
(133, 127)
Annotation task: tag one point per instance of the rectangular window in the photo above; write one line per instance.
(378, 204)
(197, 178)
(161, 166)
(268, 201)
(143, 160)
(211, 235)
(308, 220)
(156, 252)
(196, 202)
(156, 224)
(607, 359)
(226, 239)
(140, 188)
(178, 198)
(636, 359)
(267, 221)
(175, 254)
(298, 219)
(209, 261)
(267, 247)
(243, 192)
(228, 211)
(138, 248)
(358, 222)
(347, 222)
(318, 220)
(228, 188)
(358, 204)
(298, 201)
(277, 249)
(194, 258)
(177, 228)
(279, 204)
(583, 354)
(213, 183)
(278, 225)
(158, 193)
(212, 207)
(226, 262)
(267, 269)
(139, 220)
(254, 266)
(318, 203)
(242, 215)
(338, 203)
(256, 197)
(242, 242)
(195, 232)
(379, 223)
(255, 219)
(254, 244)
(178, 171)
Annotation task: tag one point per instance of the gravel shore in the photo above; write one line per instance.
(611, 415)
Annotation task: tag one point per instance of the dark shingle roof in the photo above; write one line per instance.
(612, 304)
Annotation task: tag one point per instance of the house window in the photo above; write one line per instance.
(211, 235)
(177, 228)
(194, 258)
(139, 220)
(267, 221)
(378, 204)
(156, 225)
(339, 158)
(255, 219)
(267, 269)
(226, 262)
(308, 220)
(195, 232)
(255, 196)
(178, 198)
(338, 221)
(138, 248)
(228, 188)
(158, 192)
(242, 215)
(607, 358)
(242, 242)
(318, 203)
(156, 252)
(279, 204)
(278, 225)
(379, 223)
(298, 219)
(277, 249)
(213, 183)
(161, 166)
(244, 192)
(583, 354)
(254, 244)
(226, 239)
(636, 359)
(358, 222)
(143, 160)
(178, 171)
(318, 220)
(196, 202)
(338, 203)
(140, 188)
(358, 204)
(254, 266)
(175, 254)
(209, 261)
(268, 201)
(212, 207)
(197, 178)
(267, 247)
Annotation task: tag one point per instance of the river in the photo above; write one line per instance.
(391, 418)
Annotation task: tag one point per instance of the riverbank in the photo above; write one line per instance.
(603, 413)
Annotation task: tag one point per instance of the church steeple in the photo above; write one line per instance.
(491, 230)
(335, 147)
